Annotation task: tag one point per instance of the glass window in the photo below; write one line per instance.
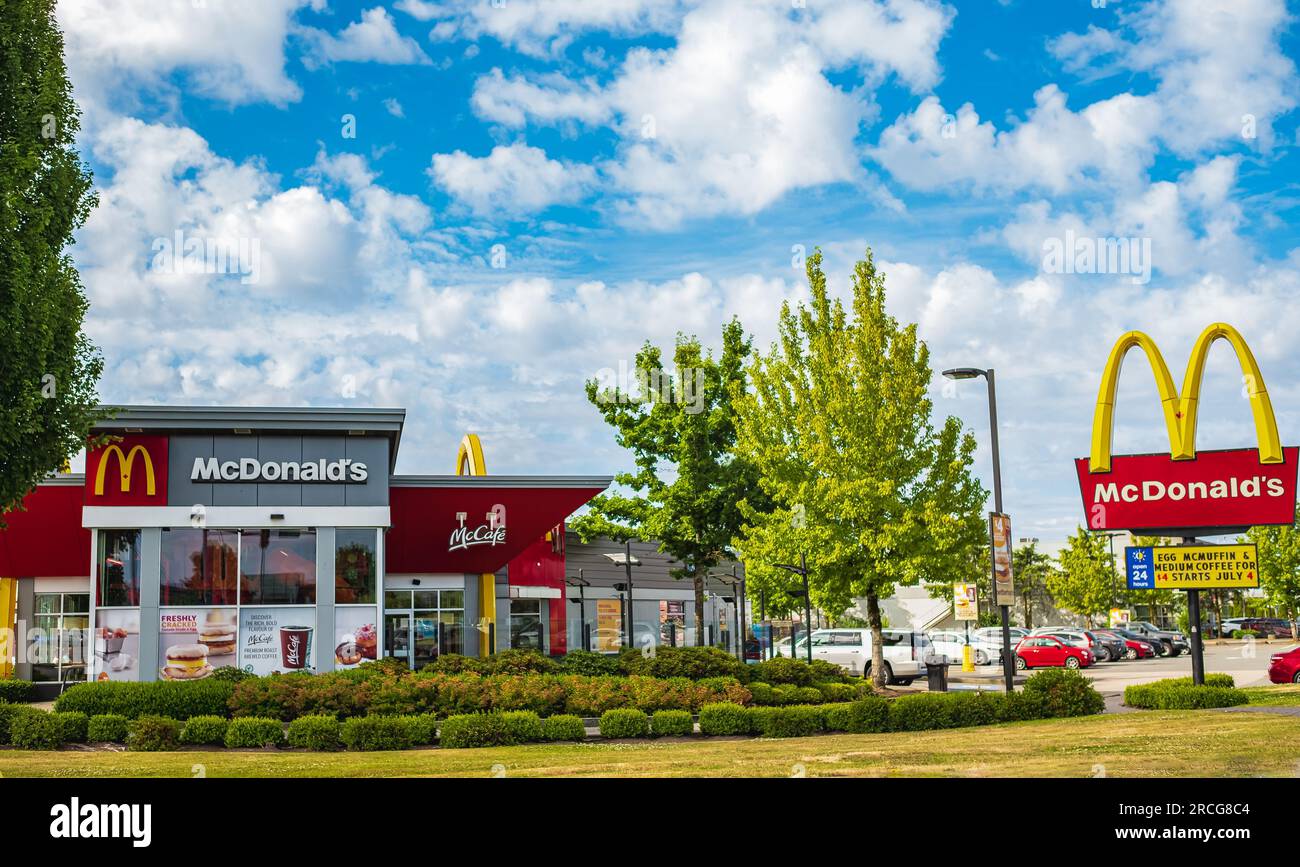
(426, 598)
(526, 624)
(397, 599)
(199, 567)
(118, 574)
(278, 567)
(354, 566)
(453, 599)
(451, 637)
(58, 646)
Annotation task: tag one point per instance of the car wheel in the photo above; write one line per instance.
(1163, 649)
(907, 681)
(1072, 662)
(981, 658)
(1295, 678)
(1021, 665)
(889, 675)
(1175, 651)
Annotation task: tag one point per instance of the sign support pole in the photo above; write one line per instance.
(1194, 628)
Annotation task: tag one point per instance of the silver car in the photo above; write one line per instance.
(904, 651)
(949, 642)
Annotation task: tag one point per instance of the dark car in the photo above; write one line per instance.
(1267, 627)
(1113, 645)
(1156, 647)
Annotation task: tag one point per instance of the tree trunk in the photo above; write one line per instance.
(1029, 611)
(699, 610)
(877, 642)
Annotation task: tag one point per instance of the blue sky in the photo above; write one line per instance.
(643, 167)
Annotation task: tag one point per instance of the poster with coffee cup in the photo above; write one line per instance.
(194, 642)
(278, 639)
(116, 655)
(355, 637)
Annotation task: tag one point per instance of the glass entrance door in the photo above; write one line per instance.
(397, 635)
(424, 627)
(420, 624)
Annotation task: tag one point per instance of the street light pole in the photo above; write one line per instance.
(1008, 663)
(802, 571)
(627, 568)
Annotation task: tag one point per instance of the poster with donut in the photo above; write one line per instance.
(355, 638)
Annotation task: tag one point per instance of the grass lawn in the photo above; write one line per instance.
(1281, 695)
(1147, 744)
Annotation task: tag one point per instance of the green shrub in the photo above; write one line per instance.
(785, 693)
(564, 727)
(518, 661)
(671, 723)
(783, 669)
(7, 713)
(475, 730)
(589, 663)
(1020, 706)
(974, 709)
(316, 732)
(254, 732)
(694, 663)
(422, 728)
(723, 718)
(921, 712)
(624, 723)
(16, 691)
(230, 674)
(827, 672)
(206, 730)
(376, 733)
(794, 721)
(807, 695)
(178, 700)
(868, 715)
(36, 730)
(1164, 695)
(523, 726)
(1243, 633)
(75, 725)
(833, 692)
(837, 717)
(152, 734)
(454, 663)
(1212, 679)
(1065, 692)
(762, 693)
(107, 728)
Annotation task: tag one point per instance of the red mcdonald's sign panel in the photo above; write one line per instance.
(130, 471)
(1187, 490)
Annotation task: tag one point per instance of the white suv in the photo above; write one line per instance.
(850, 649)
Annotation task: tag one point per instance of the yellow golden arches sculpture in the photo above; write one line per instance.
(469, 462)
(1180, 409)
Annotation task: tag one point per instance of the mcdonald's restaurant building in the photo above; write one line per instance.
(282, 540)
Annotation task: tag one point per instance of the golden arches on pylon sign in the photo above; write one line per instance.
(469, 462)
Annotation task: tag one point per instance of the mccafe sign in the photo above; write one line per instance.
(491, 533)
(324, 471)
(1187, 490)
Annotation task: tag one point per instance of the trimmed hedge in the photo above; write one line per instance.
(75, 725)
(864, 716)
(475, 730)
(671, 723)
(376, 733)
(723, 718)
(254, 732)
(178, 700)
(1065, 693)
(16, 691)
(151, 734)
(1180, 693)
(107, 728)
(783, 669)
(206, 730)
(566, 727)
(319, 733)
(624, 723)
(588, 662)
(694, 663)
(523, 726)
(795, 721)
(36, 730)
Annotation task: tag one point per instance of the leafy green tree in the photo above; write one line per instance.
(838, 422)
(1085, 580)
(1031, 569)
(49, 369)
(687, 484)
(1279, 566)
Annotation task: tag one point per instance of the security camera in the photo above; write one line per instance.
(198, 516)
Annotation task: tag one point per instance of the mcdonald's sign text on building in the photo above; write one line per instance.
(129, 472)
(1185, 490)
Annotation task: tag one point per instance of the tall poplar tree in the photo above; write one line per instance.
(838, 423)
(48, 367)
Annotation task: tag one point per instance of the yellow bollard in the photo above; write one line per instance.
(967, 658)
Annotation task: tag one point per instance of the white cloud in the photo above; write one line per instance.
(231, 51)
(514, 179)
(393, 107)
(373, 39)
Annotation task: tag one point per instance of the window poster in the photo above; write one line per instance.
(277, 639)
(194, 642)
(117, 644)
(355, 638)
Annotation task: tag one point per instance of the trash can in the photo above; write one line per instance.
(936, 673)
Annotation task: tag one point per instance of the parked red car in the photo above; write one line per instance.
(1133, 649)
(1046, 651)
(1284, 667)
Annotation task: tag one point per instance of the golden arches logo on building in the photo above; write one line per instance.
(1180, 408)
(124, 464)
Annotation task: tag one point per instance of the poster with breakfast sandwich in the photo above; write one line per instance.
(194, 642)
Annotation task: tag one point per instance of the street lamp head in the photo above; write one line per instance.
(963, 373)
(621, 559)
